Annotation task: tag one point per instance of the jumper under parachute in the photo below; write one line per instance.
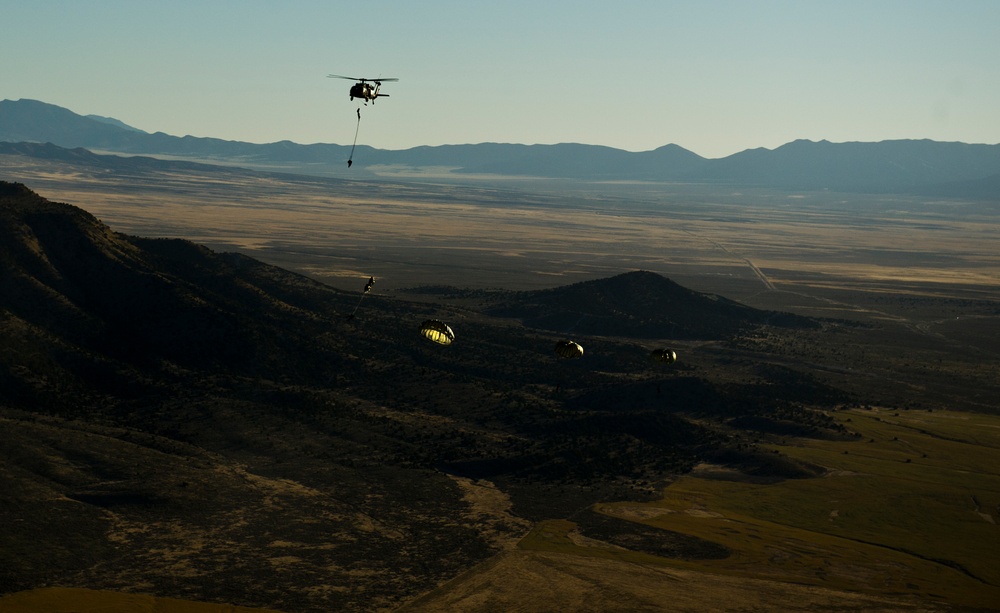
(664, 356)
(437, 331)
(568, 350)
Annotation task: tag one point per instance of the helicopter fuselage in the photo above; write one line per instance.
(366, 92)
(366, 89)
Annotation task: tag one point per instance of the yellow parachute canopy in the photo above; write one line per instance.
(667, 356)
(568, 349)
(437, 331)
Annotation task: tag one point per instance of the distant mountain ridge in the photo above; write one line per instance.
(940, 168)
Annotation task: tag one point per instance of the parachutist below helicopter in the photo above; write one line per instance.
(363, 89)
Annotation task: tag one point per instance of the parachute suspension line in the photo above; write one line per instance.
(570, 329)
(356, 306)
(350, 160)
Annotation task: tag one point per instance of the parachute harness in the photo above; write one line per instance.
(350, 160)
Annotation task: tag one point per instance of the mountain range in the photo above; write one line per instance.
(908, 166)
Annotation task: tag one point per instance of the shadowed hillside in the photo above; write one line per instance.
(94, 295)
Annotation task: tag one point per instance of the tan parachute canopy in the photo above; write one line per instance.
(568, 349)
(437, 331)
(667, 356)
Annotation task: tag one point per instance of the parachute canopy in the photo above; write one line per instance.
(568, 349)
(437, 331)
(666, 356)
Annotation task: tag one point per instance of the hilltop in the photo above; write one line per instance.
(639, 304)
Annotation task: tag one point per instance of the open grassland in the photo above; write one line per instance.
(904, 518)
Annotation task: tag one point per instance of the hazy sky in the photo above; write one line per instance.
(715, 77)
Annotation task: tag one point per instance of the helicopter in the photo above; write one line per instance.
(363, 89)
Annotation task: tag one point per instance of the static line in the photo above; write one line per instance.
(350, 160)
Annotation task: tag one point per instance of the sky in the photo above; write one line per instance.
(713, 76)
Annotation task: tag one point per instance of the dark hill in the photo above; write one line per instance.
(638, 305)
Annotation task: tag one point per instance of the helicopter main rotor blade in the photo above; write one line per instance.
(378, 80)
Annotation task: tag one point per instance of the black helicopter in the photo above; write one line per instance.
(363, 89)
